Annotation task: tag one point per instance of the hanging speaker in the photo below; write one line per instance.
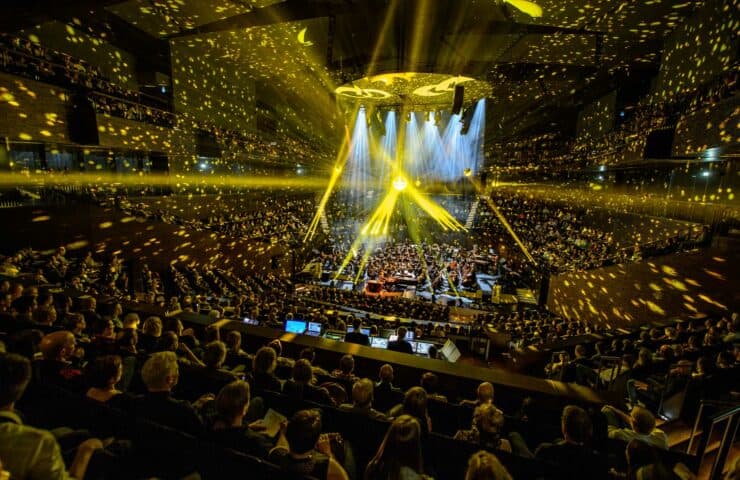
(458, 99)
(82, 125)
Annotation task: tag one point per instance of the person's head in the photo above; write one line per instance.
(487, 418)
(15, 373)
(347, 364)
(357, 323)
(430, 382)
(265, 361)
(401, 332)
(76, 322)
(642, 420)
(160, 372)
(415, 402)
(58, 346)
(214, 354)
(103, 327)
(131, 320)
(302, 372)
(232, 402)
(580, 351)
(308, 354)
(152, 327)
(168, 342)
(303, 431)
(644, 357)
(233, 340)
(276, 346)
(128, 339)
(484, 465)
(362, 392)
(45, 315)
(88, 303)
(24, 305)
(485, 393)
(433, 352)
(401, 447)
(104, 372)
(386, 373)
(576, 425)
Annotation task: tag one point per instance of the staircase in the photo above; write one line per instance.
(324, 222)
(471, 215)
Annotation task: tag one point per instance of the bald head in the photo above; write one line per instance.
(485, 393)
(58, 345)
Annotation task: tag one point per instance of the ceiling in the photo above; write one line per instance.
(536, 68)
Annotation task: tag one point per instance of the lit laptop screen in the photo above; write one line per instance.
(295, 326)
(379, 342)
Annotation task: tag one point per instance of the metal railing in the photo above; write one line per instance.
(731, 415)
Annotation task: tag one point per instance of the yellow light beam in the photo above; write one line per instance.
(335, 174)
(159, 180)
(501, 218)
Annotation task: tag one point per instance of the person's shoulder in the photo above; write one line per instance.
(37, 436)
(346, 407)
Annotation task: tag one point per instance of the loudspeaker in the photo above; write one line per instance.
(458, 99)
(659, 143)
(206, 144)
(82, 125)
(160, 162)
(544, 289)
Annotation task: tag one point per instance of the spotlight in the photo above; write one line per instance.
(437, 118)
(400, 184)
(467, 172)
(408, 116)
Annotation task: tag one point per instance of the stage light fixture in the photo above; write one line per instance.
(400, 183)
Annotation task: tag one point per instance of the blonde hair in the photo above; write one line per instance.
(486, 466)
(160, 365)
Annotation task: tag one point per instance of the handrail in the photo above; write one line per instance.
(732, 416)
(726, 414)
(702, 404)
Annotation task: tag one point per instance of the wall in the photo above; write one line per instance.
(32, 110)
(661, 288)
(597, 118)
(702, 47)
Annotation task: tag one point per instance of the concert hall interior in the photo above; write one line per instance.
(369, 239)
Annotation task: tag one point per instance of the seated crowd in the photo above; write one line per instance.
(203, 383)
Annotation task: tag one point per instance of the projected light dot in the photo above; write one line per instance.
(400, 184)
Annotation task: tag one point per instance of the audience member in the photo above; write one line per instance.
(302, 449)
(27, 452)
(400, 454)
